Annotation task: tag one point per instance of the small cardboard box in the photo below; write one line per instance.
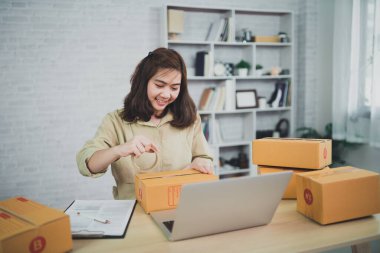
(27, 226)
(161, 190)
(291, 189)
(292, 152)
(338, 194)
(269, 39)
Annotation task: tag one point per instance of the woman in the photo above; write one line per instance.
(158, 128)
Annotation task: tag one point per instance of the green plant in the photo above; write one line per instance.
(338, 146)
(243, 65)
(258, 66)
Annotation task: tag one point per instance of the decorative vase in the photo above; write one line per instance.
(243, 72)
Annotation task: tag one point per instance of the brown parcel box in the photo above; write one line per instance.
(268, 39)
(291, 189)
(338, 194)
(292, 152)
(161, 190)
(27, 226)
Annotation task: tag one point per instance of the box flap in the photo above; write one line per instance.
(338, 174)
(179, 179)
(31, 211)
(11, 225)
(293, 139)
(167, 174)
(280, 169)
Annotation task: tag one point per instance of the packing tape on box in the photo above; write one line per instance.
(296, 139)
(169, 176)
(331, 172)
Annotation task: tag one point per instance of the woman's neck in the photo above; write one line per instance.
(155, 120)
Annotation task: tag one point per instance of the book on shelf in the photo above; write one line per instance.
(231, 32)
(229, 103)
(206, 98)
(289, 95)
(220, 99)
(206, 127)
(219, 33)
(202, 63)
(213, 31)
(217, 135)
(225, 30)
(213, 98)
(281, 94)
(220, 30)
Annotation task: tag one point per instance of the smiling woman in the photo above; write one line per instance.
(163, 89)
(158, 128)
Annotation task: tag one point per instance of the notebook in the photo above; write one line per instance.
(225, 205)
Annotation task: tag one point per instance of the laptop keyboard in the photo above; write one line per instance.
(169, 225)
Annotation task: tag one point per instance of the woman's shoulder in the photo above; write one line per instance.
(114, 116)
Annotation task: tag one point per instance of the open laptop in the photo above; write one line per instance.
(224, 205)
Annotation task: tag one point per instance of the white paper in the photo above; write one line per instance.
(117, 212)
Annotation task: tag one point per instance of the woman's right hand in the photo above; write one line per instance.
(101, 159)
(136, 147)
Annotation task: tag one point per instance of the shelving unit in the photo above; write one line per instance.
(230, 132)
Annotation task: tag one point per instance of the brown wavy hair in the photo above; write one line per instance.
(137, 105)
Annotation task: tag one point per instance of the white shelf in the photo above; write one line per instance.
(234, 44)
(195, 78)
(235, 143)
(262, 77)
(237, 111)
(236, 124)
(191, 78)
(233, 171)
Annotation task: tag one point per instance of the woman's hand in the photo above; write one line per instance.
(202, 165)
(136, 147)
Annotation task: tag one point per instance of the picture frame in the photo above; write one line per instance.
(246, 99)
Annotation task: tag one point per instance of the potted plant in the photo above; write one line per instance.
(243, 67)
(259, 70)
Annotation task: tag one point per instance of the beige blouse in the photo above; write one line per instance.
(177, 149)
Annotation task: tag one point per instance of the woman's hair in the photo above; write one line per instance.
(137, 105)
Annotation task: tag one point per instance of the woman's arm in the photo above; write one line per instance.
(201, 156)
(101, 159)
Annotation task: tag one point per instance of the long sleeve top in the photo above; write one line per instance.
(177, 148)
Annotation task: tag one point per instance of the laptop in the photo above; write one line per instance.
(225, 205)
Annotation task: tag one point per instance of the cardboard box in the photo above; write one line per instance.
(269, 39)
(161, 190)
(338, 194)
(292, 152)
(27, 226)
(291, 189)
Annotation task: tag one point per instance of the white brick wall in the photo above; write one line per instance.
(64, 65)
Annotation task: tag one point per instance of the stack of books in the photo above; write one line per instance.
(215, 98)
(281, 95)
(220, 30)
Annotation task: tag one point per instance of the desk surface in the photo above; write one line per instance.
(289, 231)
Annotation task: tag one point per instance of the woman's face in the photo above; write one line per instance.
(163, 89)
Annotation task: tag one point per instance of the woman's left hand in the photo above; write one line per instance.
(202, 165)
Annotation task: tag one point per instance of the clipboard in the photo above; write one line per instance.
(100, 219)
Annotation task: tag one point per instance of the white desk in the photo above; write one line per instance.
(289, 231)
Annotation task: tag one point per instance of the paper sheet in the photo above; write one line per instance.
(85, 217)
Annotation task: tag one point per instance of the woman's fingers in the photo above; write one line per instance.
(151, 148)
(201, 168)
(141, 144)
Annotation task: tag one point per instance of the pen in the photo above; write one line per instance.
(104, 221)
